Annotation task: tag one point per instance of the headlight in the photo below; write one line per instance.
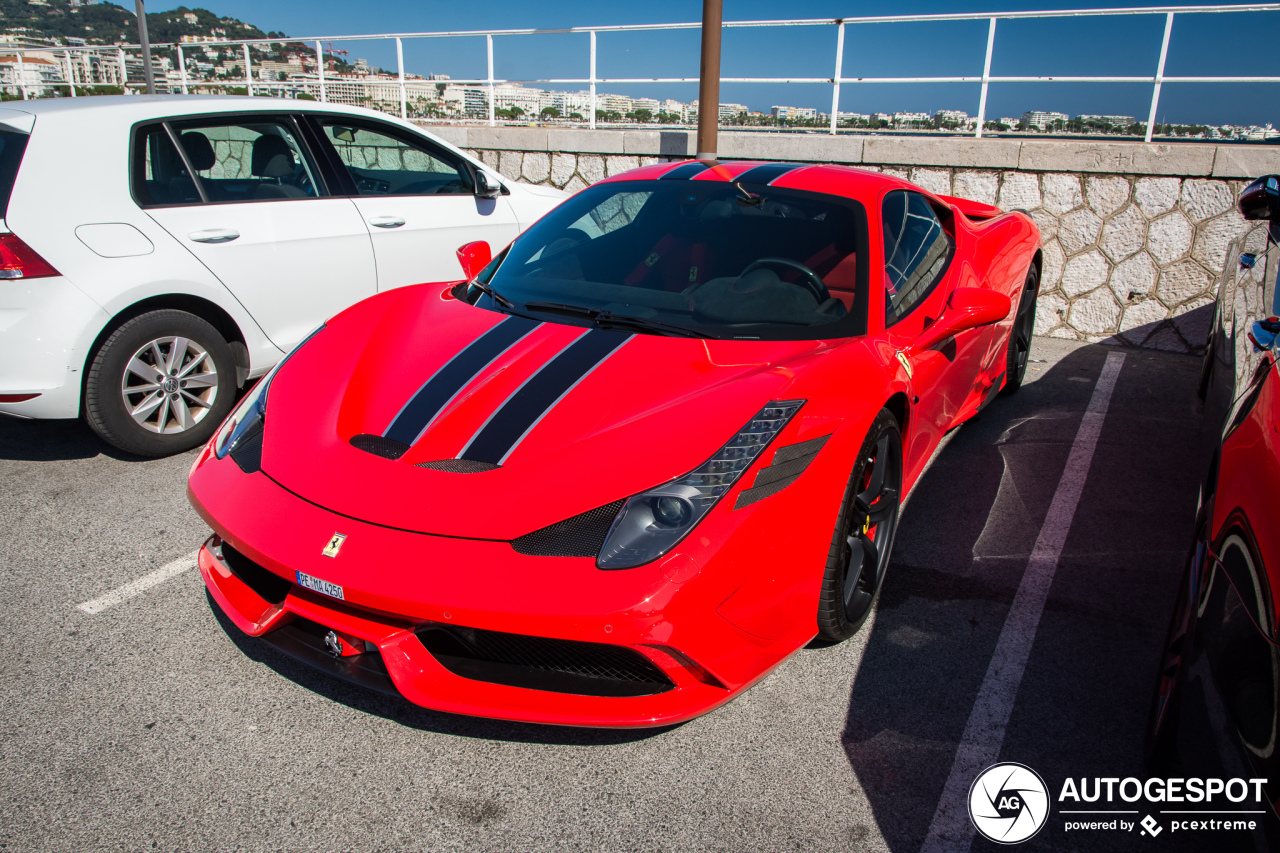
(654, 522)
(250, 416)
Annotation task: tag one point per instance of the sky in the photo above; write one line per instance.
(1234, 44)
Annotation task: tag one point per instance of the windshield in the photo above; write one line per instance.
(705, 259)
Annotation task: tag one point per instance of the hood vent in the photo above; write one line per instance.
(459, 466)
(387, 448)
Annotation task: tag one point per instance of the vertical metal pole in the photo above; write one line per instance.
(149, 73)
(22, 75)
(709, 79)
(1155, 92)
(320, 70)
(124, 71)
(404, 96)
(986, 79)
(593, 79)
(182, 70)
(835, 81)
(248, 73)
(71, 74)
(489, 45)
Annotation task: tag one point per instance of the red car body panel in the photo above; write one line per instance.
(431, 547)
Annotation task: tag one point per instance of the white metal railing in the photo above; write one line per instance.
(1157, 80)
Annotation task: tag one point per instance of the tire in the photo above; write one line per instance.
(126, 403)
(1019, 350)
(862, 543)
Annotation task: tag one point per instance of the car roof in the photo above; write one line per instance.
(832, 179)
(143, 107)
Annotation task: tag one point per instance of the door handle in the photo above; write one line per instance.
(387, 221)
(214, 235)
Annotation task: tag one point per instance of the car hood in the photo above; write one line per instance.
(500, 425)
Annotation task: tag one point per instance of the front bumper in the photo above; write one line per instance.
(399, 584)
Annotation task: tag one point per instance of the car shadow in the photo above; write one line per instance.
(962, 547)
(404, 712)
(53, 440)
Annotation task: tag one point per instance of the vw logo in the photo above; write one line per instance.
(1008, 803)
(169, 386)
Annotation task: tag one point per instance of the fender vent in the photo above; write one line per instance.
(580, 536)
(248, 451)
(788, 464)
(378, 445)
(458, 466)
(542, 663)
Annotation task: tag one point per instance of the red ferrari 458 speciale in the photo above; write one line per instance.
(653, 448)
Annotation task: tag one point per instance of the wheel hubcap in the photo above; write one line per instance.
(874, 521)
(169, 385)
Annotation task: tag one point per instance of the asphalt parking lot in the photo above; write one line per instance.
(154, 724)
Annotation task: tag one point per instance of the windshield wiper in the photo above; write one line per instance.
(608, 319)
(497, 297)
(562, 308)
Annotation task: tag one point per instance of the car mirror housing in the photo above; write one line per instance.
(486, 187)
(474, 257)
(967, 308)
(1261, 199)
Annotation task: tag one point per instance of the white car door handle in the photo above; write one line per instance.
(214, 235)
(387, 221)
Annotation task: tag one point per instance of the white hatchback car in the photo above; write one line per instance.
(156, 253)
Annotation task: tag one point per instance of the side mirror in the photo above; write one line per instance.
(486, 187)
(474, 257)
(1261, 199)
(967, 308)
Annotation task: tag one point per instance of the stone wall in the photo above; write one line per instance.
(1134, 235)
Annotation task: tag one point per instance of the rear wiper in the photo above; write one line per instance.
(608, 319)
(497, 297)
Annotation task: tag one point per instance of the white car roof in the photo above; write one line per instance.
(131, 108)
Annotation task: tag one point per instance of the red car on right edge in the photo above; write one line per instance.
(1215, 710)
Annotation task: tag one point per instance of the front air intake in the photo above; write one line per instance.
(542, 663)
(580, 536)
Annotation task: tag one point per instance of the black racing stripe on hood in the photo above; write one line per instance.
(540, 393)
(444, 385)
(688, 170)
(766, 173)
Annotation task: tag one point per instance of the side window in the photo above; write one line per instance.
(159, 175)
(249, 159)
(383, 161)
(917, 250)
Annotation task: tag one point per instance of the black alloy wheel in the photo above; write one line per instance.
(1024, 325)
(863, 540)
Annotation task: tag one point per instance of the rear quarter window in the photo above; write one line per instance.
(11, 147)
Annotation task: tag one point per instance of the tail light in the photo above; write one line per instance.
(18, 260)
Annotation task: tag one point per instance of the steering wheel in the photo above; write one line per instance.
(811, 279)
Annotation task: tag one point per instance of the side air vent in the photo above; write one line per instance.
(458, 466)
(387, 448)
(580, 536)
(267, 584)
(542, 663)
(788, 464)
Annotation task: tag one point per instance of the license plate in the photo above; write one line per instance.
(330, 589)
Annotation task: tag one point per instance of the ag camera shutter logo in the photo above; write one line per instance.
(1008, 803)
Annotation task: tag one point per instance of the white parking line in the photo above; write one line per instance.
(951, 830)
(141, 585)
